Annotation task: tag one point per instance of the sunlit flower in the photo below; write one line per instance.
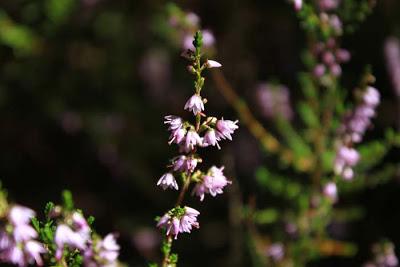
(212, 183)
(195, 104)
(167, 181)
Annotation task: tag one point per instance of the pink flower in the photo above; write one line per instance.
(20, 215)
(225, 128)
(177, 136)
(192, 139)
(34, 249)
(213, 64)
(371, 97)
(330, 191)
(105, 253)
(182, 222)
(66, 236)
(210, 139)
(167, 181)
(298, 4)
(24, 232)
(212, 183)
(174, 122)
(195, 104)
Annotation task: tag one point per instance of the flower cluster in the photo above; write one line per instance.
(330, 57)
(274, 101)
(354, 126)
(179, 220)
(74, 233)
(65, 237)
(18, 244)
(189, 136)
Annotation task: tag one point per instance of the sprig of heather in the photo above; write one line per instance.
(64, 238)
(203, 131)
(354, 125)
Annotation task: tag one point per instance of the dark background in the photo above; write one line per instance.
(80, 110)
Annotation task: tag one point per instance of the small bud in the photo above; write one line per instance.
(213, 64)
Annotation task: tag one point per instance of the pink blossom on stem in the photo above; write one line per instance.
(212, 183)
(225, 128)
(195, 104)
(168, 181)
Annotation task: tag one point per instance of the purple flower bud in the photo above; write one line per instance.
(343, 55)
(276, 251)
(192, 19)
(371, 97)
(195, 104)
(349, 155)
(330, 191)
(327, 5)
(225, 128)
(336, 70)
(167, 181)
(298, 4)
(328, 58)
(319, 70)
(348, 173)
(213, 64)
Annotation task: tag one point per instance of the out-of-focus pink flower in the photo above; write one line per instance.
(20, 215)
(330, 191)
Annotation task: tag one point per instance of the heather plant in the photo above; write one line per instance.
(63, 238)
(205, 131)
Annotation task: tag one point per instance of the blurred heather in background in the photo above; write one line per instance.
(84, 85)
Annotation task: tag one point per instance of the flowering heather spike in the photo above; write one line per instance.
(195, 104)
(187, 136)
(167, 181)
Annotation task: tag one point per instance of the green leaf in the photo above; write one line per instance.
(68, 200)
(308, 115)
